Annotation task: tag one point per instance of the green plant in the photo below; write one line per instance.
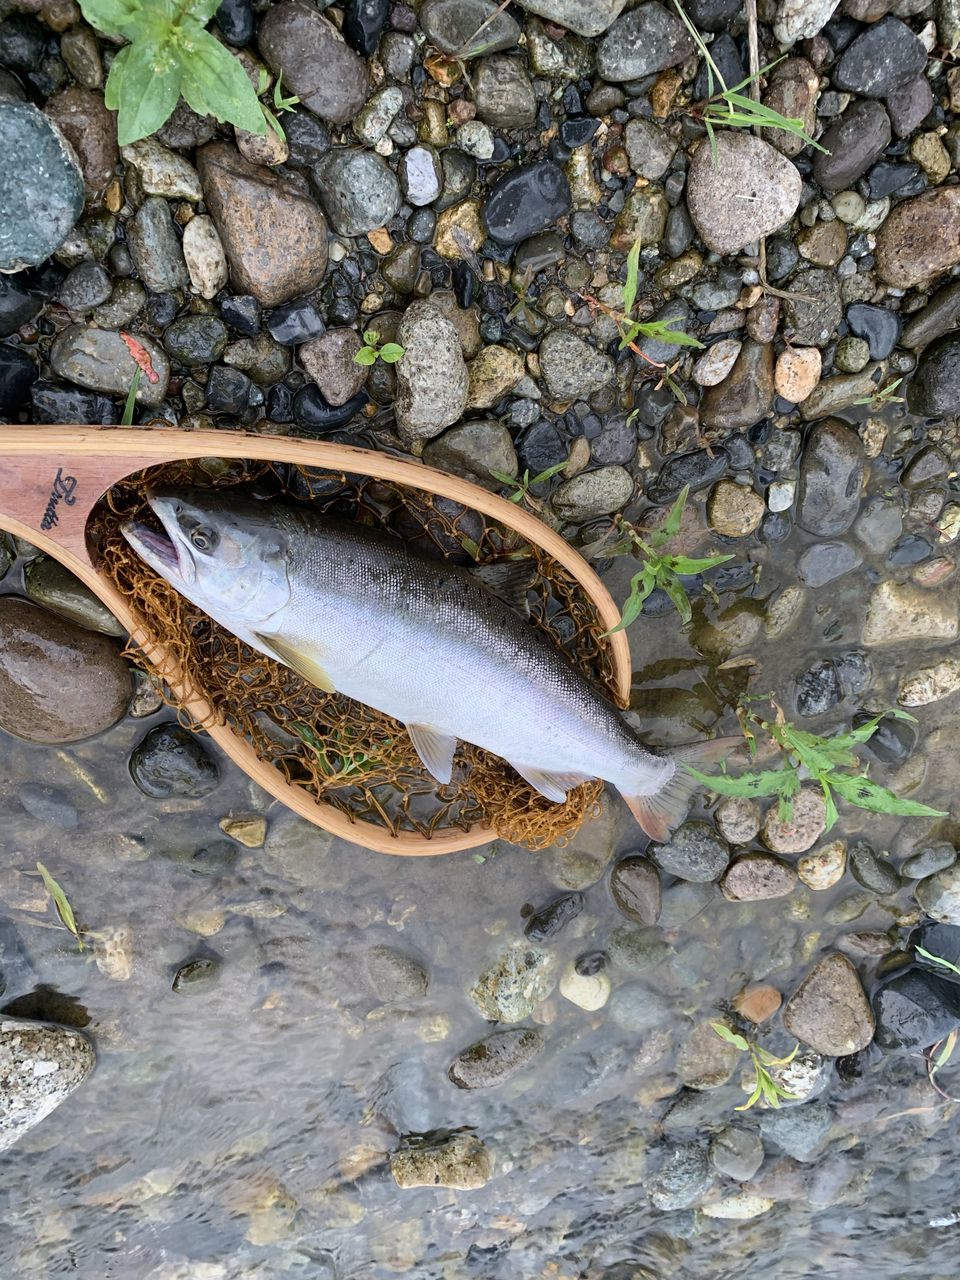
(62, 904)
(728, 108)
(344, 764)
(370, 353)
(170, 54)
(126, 419)
(280, 103)
(831, 762)
(765, 1086)
(883, 396)
(522, 485)
(659, 569)
(946, 964)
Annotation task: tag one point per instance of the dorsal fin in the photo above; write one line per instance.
(508, 579)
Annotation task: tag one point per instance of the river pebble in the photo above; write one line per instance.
(40, 1065)
(829, 1010)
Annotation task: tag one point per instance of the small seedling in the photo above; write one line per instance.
(370, 353)
(62, 904)
(728, 108)
(630, 328)
(522, 485)
(764, 1084)
(883, 396)
(126, 419)
(831, 762)
(344, 764)
(659, 569)
(170, 54)
(280, 103)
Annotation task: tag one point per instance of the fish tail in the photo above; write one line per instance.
(659, 813)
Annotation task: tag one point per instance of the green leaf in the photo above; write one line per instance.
(678, 597)
(497, 475)
(767, 782)
(113, 17)
(201, 10)
(671, 526)
(127, 419)
(641, 585)
(371, 336)
(928, 955)
(215, 83)
(731, 1037)
(949, 1044)
(665, 331)
(550, 471)
(754, 1097)
(685, 566)
(61, 902)
(633, 277)
(148, 91)
(366, 355)
(113, 89)
(866, 794)
(391, 352)
(768, 1087)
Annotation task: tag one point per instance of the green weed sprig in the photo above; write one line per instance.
(765, 1086)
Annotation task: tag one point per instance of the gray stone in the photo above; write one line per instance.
(163, 172)
(204, 256)
(935, 857)
(754, 877)
(40, 1066)
(493, 1061)
(571, 368)
(196, 340)
(421, 175)
(503, 93)
(798, 1131)
(800, 19)
(586, 17)
(330, 362)
(642, 42)
(635, 1007)
(870, 870)
(394, 976)
(939, 895)
(317, 65)
(831, 473)
(155, 247)
(933, 389)
(452, 24)
(827, 561)
(635, 886)
(49, 583)
(636, 950)
(884, 57)
(649, 149)
(379, 112)
(474, 450)
(41, 187)
(814, 309)
(87, 286)
(940, 315)
(683, 1177)
(512, 987)
(854, 143)
(737, 1153)
(749, 193)
(358, 190)
(592, 494)
(829, 1010)
(431, 376)
(694, 852)
(100, 359)
(704, 1060)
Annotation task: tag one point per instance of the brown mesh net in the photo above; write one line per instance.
(338, 750)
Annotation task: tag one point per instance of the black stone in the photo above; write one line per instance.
(241, 312)
(280, 403)
(526, 200)
(18, 305)
(51, 402)
(22, 43)
(854, 671)
(893, 739)
(879, 327)
(312, 413)
(886, 178)
(307, 137)
(916, 1009)
(295, 322)
(542, 446)
(851, 145)
(549, 920)
(782, 256)
(941, 940)
(196, 975)
(818, 689)
(195, 339)
(18, 373)
(363, 23)
(712, 15)
(934, 389)
(884, 57)
(726, 55)
(578, 131)
(589, 963)
(172, 761)
(464, 284)
(912, 548)
(228, 390)
(236, 22)
(212, 859)
(616, 443)
(697, 469)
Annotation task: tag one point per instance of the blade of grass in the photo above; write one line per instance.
(126, 419)
(61, 902)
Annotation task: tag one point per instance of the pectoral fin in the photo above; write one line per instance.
(552, 785)
(305, 666)
(435, 749)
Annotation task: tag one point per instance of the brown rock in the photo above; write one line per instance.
(734, 510)
(804, 827)
(920, 238)
(635, 885)
(58, 682)
(745, 396)
(757, 1003)
(756, 876)
(274, 236)
(823, 244)
(92, 132)
(829, 1010)
(330, 363)
(797, 373)
(793, 91)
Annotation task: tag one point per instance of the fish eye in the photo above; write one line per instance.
(203, 538)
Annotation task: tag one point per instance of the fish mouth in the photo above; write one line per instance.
(153, 545)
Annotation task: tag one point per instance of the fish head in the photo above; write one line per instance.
(228, 555)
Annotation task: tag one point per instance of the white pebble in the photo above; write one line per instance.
(587, 991)
(204, 256)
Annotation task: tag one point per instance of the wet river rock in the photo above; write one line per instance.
(259, 214)
(526, 200)
(58, 681)
(829, 1010)
(40, 1066)
(101, 360)
(934, 389)
(172, 761)
(920, 239)
(831, 473)
(330, 79)
(41, 187)
(642, 42)
(432, 376)
(493, 1061)
(749, 193)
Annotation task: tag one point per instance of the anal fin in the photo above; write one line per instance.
(554, 786)
(435, 749)
(305, 666)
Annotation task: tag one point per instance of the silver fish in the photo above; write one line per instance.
(358, 611)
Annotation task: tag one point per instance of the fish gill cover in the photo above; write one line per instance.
(336, 749)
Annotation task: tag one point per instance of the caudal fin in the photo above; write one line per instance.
(658, 814)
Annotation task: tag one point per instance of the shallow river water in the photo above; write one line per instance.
(243, 1130)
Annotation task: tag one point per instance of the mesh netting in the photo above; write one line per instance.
(336, 749)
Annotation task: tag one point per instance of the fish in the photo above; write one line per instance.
(358, 611)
